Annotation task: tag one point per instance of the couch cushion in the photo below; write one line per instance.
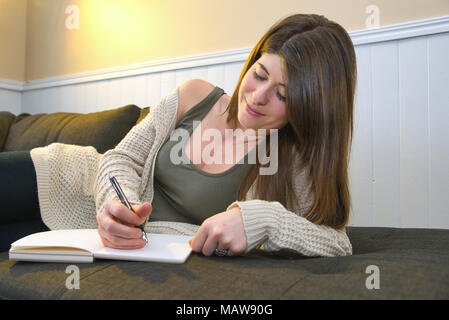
(143, 113)
(102, 130)
(6, 119)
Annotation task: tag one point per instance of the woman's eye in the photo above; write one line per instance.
(281, 97)
(257, 76)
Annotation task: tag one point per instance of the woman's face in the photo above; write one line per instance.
(262, 95)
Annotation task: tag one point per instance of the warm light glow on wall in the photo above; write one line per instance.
(115, 26)
(113, 32)
(113, 19)
(107, 33)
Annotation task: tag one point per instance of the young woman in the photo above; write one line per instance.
(298, 81)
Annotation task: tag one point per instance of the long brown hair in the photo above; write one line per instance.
(319, 68)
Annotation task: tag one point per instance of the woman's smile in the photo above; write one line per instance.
(253, 112)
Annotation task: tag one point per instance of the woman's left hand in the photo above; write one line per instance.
(223, 231)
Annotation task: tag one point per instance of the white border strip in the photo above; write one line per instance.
(11, 85)
(401, 30)
(373, 35)
(227, 56)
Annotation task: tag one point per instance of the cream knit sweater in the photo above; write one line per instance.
(73, 186)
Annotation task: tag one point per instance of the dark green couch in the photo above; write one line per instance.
(410, 263)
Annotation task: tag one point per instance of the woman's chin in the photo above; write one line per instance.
(247, 122)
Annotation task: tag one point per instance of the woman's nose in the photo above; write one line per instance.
(260, 95)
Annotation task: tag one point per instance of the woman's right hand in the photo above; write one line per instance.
(116, 225)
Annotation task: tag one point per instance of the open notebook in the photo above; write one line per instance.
(84, 245)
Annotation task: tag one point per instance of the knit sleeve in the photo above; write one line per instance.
(275, 228)
(130, 162)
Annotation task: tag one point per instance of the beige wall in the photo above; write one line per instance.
(12, 39)
(118, 32)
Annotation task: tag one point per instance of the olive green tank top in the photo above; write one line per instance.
(182, 191)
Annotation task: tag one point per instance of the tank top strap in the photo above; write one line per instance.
(199, 111)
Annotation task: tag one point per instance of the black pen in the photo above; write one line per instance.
(125, 201)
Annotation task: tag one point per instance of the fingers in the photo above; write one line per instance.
(116, 225)
(199, 239)
(209, 245)
(222, 231)
(117, 242)
(143, 211)
(207, 239)
(122, 213)
(117, 228)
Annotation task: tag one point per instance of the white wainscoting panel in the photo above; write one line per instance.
(399, 165)
(414, 132)
(11, 96)
(361, 161)
(438, 110)
(386, 147)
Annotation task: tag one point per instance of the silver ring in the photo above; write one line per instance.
(221, 252)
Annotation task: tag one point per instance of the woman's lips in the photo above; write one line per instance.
(253, 112)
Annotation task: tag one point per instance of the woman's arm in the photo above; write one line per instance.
(274, 228)
(131, 160)
(246, 225)
(271, 225)
(132, 163)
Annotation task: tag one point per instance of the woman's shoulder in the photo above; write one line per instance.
(191, 93)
